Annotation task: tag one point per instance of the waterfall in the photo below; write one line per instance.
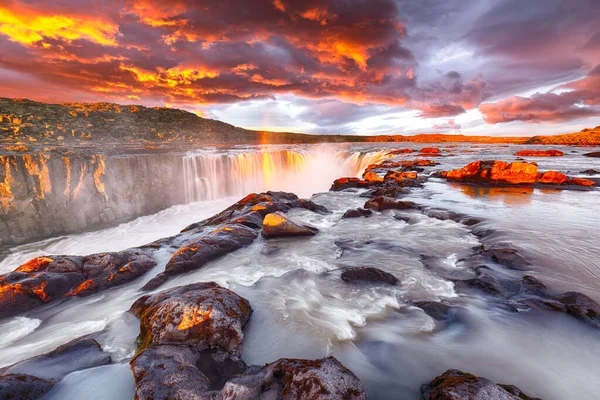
(210, 176)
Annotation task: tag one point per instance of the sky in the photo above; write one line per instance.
(365, 67)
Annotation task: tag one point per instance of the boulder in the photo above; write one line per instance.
(595, 154)
(288, 379)
(372, 177)
(356, 213)
(46, 279)
(434, 151)
(202, 314)
(576, 304)
(399, 176)
(435, 309)
(401, 151)
(279, 225)
(381, 203)
(495, 172)
(368, 274)
(456, 385)
(553, 177)
(348, 183)
(539, 153)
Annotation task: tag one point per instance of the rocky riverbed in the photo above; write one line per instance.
(398, 283)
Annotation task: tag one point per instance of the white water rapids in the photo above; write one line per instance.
(303, 309)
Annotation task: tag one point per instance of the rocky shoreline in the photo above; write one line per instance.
(191, 336)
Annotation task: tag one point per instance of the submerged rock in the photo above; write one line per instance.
(279, 225)
(539, 153)
(581, 182)
(78, 354)
(356, 213)
(590, 172)
(457, 385)
(46, 279)
(368, 274)
(593, 154)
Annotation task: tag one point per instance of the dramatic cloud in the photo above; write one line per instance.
(581, 99)
(340, 61)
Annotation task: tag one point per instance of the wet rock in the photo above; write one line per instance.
(401, 151)
(495, 172)
(489, 284)
(553, 177)
(387, 191)
(576, 304)
(381, 203)
(399, 176)
(235, 227)
(581, 182)
(356, 213)
(590, 172)
(368, 274)
(81, 353)
(433, 151)
(372, 177)
(454, 385)
(348, 183)
(539, 153)
(287, 379)
(435, 309)
(279, 225)
(46, 279)
(595, 154)
(23, 387)
(202, 314)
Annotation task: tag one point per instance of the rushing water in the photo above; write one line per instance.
(303, 309)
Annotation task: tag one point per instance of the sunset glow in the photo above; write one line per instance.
(318, 66)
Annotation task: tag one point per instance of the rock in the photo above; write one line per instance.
(381, 203)
(401, 151)
(387, 191)
(581, 182)
(456, 385)
(359, 212)
(279, 225)
(78, 354)
(495, 172)
(590, 172)
(202, 314)
(46, 279)
(576, 304)
(369, 274)
(399, 176)
(435, 309)
(506, 256)
(593, 154)
(372, 177)
(553, 177)
(434, 151)
(287, 379)
(539, 153)
(347, 183)
(23, 387)
(235, 227)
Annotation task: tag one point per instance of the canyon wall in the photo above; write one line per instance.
(46, 194)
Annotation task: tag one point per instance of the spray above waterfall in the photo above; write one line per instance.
(210, 176)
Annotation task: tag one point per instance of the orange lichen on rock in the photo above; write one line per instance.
(430, 150)
(581, 182)
(99, 161)
(18, 147)
(553, 177)
(36, 167)
(495, 171)
(81, 288)
(400, 176)
(539, 153)
(6, 196)
(40, 292)
(193, 316)
(371, 176)
(34, 264)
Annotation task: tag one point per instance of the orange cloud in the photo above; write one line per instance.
(29, 27)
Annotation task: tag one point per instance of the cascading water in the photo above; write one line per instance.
(210, 176)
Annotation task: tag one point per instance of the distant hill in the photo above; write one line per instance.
(80, 124)
(587, 137)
